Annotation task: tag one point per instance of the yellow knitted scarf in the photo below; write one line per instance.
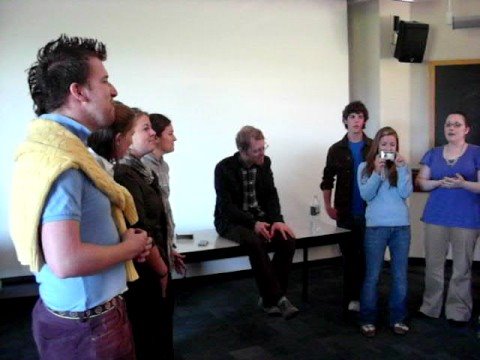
(49, 150)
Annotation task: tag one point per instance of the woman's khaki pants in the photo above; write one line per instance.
(458, 305)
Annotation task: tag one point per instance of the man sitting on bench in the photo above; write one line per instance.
(247, 211)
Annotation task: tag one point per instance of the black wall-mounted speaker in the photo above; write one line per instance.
(411, 41)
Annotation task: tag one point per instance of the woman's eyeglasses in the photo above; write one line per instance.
(454, 124)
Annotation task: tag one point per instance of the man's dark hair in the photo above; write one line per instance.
(60, 63)
(159, 123)
(356, 107)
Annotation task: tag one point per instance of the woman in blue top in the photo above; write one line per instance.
(385, 183)
(452, 218)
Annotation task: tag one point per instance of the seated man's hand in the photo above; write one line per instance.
(283, 229)
(263, 229)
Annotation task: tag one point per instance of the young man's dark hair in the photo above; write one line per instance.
(356, 107)
(60, 63)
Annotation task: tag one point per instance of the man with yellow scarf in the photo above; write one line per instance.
(67, 216)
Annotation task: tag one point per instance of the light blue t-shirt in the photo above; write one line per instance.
(358, 205)
(453, 207)
(74, 197)
(386, 204)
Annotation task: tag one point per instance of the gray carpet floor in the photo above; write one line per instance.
(216, 317)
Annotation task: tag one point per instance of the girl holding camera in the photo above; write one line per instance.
(385, 183)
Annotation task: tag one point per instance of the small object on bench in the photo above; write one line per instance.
(203, 243)
(184, 236)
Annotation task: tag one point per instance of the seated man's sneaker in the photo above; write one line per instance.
(287, 309)
(269, 310)
(354, 306)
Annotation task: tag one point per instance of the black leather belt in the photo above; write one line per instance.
(90, 313)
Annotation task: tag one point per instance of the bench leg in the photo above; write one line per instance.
(305, 275)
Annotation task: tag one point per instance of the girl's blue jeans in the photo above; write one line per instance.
(377, 238)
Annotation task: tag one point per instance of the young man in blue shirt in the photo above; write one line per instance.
(348, 209)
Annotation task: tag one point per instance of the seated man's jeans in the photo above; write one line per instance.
(271, 275)
(397, 238)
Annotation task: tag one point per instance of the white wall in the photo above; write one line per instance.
(364, 59)
(211, 66)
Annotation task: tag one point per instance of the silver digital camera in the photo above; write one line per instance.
(388, 155)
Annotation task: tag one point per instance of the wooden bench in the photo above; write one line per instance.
(308, 235)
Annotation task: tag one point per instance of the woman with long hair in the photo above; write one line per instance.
(385, 183)
(149, 299)
(451, 173)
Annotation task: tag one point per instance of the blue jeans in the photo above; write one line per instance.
(377, 238)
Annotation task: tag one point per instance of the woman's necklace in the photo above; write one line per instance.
(453, 160)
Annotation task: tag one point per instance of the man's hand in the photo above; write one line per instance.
(263, 229)
(143, 256)
(140, 243)
(332, 212)
(178, 263)
(283, 229)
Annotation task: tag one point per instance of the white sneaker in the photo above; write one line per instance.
(354, 306)
(400, 328)
(269, 310)
(287, 309)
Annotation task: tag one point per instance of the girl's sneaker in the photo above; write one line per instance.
(400, 328)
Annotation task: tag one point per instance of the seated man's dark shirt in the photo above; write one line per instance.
(234, 206)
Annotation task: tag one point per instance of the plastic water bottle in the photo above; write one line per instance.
(314, 215)
(315, 208)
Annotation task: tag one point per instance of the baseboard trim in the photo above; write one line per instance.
(417, 261)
